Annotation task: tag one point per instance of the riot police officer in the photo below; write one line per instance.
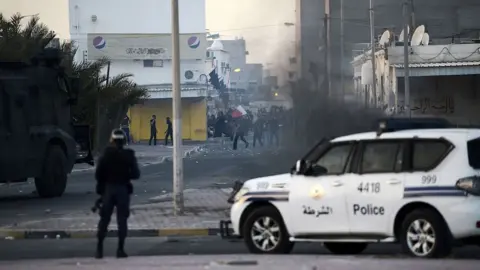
(116, 168)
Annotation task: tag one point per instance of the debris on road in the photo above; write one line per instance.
(203, 210)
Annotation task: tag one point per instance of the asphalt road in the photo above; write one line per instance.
(75, 248)
(215, 166)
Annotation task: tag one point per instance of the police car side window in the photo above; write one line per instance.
(427, 153)
(381, 157)
(335, 159)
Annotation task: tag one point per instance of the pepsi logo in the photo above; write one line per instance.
(99, 43)
(193, 42)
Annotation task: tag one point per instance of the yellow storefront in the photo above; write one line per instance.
(194, 118)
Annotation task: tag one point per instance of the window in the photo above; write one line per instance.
(335, 159)
(381, 157)
(427, 153)
(152, 63)
(473, 148)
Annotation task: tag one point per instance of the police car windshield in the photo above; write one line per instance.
(314, 153)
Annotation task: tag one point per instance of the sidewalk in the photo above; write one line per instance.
(148, 155)
(204, 208)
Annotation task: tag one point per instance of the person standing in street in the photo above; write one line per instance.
(258, 127)
(169, 131)
(153, 130)
(274, 126)
(125, 126)
(240, 131)
(115, 170)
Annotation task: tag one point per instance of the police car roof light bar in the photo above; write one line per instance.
(398, 124)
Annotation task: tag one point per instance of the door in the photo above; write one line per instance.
(374, 192)
(317, 201)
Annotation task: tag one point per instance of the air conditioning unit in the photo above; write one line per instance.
(191, 76)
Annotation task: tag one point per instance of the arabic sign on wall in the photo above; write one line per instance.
(431, 106)
(144, 46)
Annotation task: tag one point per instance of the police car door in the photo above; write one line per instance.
(376, 188)
(317, 201)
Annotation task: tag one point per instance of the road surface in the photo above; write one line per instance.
(215, 166)
(71, 248)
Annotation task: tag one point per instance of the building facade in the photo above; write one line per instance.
(137, 40)
(444, 81)
(237, 49)
(444, 18)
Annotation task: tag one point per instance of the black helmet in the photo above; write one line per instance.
(118, 136)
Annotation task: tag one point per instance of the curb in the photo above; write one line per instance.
(87, 234)
(187, 153)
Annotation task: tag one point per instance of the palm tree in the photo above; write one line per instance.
(20, 42)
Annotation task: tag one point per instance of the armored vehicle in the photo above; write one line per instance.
(38, 136)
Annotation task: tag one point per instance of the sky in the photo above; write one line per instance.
(259, 22)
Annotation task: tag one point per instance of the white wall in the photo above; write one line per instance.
(157, 75)
(140, 16)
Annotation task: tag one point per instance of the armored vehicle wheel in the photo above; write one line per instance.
(53, 181)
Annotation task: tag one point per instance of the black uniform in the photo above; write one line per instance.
(169, 131)
(115, 169)
(153, 131)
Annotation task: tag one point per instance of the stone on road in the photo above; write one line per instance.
(203, 210)
(150, 154)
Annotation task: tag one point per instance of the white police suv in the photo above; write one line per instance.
(418, 187)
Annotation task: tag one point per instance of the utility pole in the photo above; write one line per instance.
(178, 203)
(406, 68)
(372, 45)
(328, 48)
(412, 8)
(342, 49)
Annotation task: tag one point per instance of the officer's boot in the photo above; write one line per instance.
(99, 252)
(121, 248)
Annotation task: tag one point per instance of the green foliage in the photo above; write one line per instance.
(22, 38)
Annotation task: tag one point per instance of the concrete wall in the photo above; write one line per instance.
(460, 94)
(194, 118)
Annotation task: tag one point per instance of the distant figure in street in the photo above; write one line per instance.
(220, 125)
(169, 131)
(274, 126)
(153, 130)
(116, 168)
(125, 126)
(258, 127)
(239, 128)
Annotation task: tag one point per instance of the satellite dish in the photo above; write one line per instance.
(426, 39)
(400, 38)
(417, 36)
(385, 39)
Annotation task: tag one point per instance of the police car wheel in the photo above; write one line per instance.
(345, 248)
(265, 232)
(425, 234)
